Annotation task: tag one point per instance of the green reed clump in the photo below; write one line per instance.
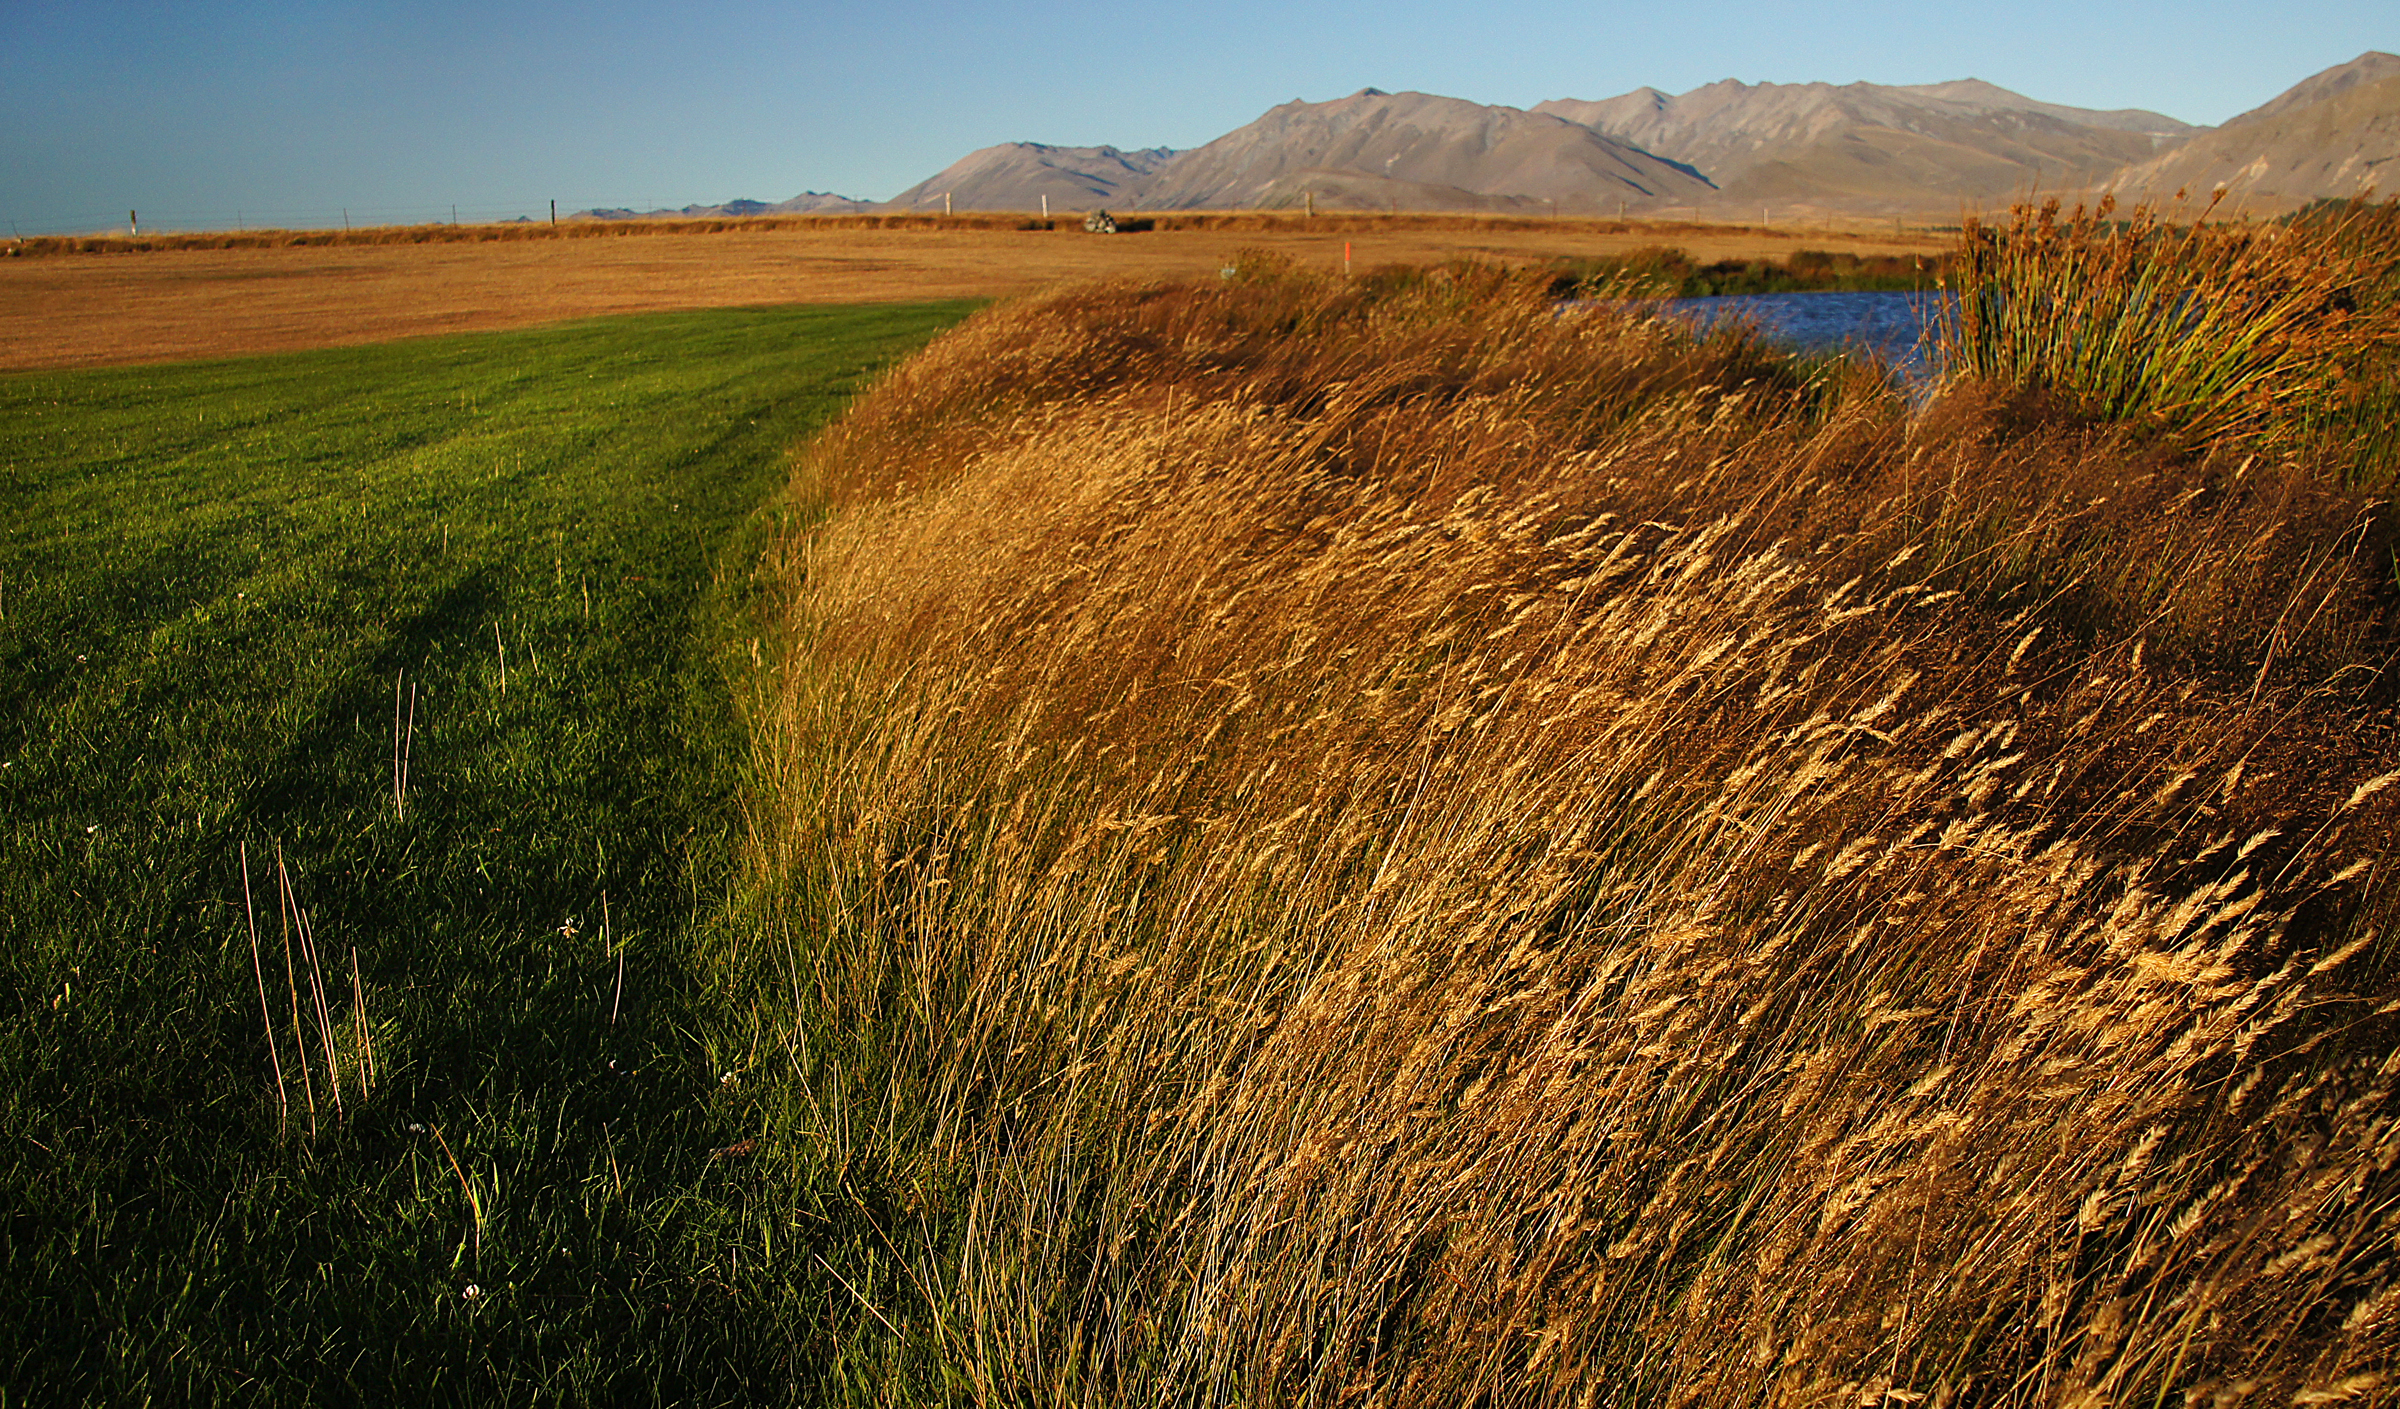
(2363, 417)
(2206, 335)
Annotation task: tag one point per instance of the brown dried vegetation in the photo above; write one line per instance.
(1372, 842)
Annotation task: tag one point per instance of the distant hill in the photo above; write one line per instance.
(2372, 66)
(806, 203)
(1018, 175)
(1414, 142)
(1872, 147)
(2336, 135)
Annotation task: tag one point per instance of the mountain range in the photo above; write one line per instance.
(806, 203)
(1728, 148)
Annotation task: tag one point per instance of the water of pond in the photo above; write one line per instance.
(1892, 324)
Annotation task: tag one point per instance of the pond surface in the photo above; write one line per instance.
(1891, 324)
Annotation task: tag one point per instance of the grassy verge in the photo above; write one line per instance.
(230, 594)
(1367, 842)
(1666, 272)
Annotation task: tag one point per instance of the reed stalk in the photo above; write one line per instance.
(2210, 333)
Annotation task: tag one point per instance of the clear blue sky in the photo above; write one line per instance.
(286, 112)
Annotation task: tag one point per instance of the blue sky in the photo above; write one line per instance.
(282, 112)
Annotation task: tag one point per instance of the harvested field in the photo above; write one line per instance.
(160, 305)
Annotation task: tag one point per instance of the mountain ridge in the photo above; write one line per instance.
(2334, 135)
(1874, 146)
(1420, 140)
(1726, 148)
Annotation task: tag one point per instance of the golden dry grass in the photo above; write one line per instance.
(1371, 843)
(178, 297)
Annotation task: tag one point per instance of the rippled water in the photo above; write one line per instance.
(1893, 324)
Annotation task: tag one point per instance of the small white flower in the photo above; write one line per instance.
(472, 1291)
(727, 1079)
(415, 1129)
(91, 829)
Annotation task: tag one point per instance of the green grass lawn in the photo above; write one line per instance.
(215, 581)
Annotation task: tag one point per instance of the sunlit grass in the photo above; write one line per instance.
(1365, 841)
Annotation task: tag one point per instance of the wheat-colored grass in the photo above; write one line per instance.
(1374, 843)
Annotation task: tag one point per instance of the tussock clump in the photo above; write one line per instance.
(1380, 844)
(2212, 334)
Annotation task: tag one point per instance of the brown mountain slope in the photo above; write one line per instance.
(1868, 146)
(2336, 135)
(1423, 141)
(806, 203)
(1018, 175)
(1975, 95)
(2372, 66)
(1326, 189)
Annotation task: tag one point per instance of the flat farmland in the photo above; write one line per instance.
(162, 305)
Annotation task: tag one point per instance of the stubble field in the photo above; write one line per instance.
(76, 310)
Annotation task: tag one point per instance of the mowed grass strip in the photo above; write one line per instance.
(220, 584)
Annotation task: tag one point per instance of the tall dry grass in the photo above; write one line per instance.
(1375, 843)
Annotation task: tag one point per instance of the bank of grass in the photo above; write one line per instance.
(1663, 271)
(1370, 842)
(218, 585)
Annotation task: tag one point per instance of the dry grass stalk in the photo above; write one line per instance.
(1375, 843)
(312, 1015)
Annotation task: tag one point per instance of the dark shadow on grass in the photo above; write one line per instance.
(505, 1031)
(162, 1240)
